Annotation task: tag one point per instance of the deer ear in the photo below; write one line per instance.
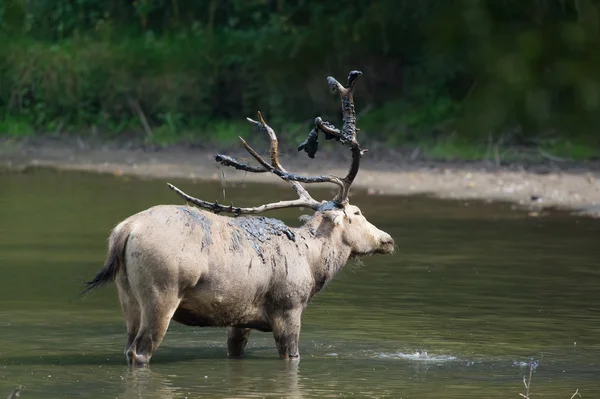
(336, 217)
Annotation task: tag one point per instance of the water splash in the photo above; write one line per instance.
(533, 364)
(417, 356)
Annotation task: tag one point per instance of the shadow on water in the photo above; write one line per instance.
(474, 292)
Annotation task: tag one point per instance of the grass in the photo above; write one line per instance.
(399, 121)
(172, 130)
(15, 128)
(527, 382)
(559, 150)
(452, 151)
(227, 132)
(220, 133)
(569, 149)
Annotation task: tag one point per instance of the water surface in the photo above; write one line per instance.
(473, 293)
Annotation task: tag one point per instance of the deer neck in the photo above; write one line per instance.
(327, 254)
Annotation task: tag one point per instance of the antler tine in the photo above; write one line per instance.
(218, 208)
(229, 161)
(274, 153)
(346, 136)
(349, 128)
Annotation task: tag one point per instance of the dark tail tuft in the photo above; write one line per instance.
(114, 261)
(105, 275)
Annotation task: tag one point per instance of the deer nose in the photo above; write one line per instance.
(387, 240)
(386, 245)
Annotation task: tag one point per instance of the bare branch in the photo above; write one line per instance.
(551, 157)
(135, 105)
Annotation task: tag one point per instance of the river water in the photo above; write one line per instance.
(473, 293)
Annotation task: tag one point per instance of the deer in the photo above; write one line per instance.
(190, 264)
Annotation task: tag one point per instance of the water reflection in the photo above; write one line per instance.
(234, 378)
(146, 383)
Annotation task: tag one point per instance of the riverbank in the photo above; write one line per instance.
(537, 186)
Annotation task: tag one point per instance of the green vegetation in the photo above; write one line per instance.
(443, 75)
(13, 127)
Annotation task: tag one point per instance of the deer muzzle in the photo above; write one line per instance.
(386, 244)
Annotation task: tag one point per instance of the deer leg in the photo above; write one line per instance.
(286, 330)
(132, 321)
(237, 338)
(131, 312)
(155, 318)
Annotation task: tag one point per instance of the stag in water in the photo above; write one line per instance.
(199, 268)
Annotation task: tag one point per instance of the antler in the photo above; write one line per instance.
(275, 167)
(346, 136)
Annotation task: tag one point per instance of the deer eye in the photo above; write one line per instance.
(357, 213)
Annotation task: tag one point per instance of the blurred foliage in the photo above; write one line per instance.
(511, 70)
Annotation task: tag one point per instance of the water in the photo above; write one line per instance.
(473, 293)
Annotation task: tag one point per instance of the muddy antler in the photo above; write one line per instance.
(346, 136)
(275, 167)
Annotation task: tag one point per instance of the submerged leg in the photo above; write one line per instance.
(286, 330)
(156, 316)
(237, 338)
(131, 312)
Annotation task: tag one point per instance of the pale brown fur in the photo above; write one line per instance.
(199, 268)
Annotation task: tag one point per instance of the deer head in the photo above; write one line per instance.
(354, 230)
(335, 217)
